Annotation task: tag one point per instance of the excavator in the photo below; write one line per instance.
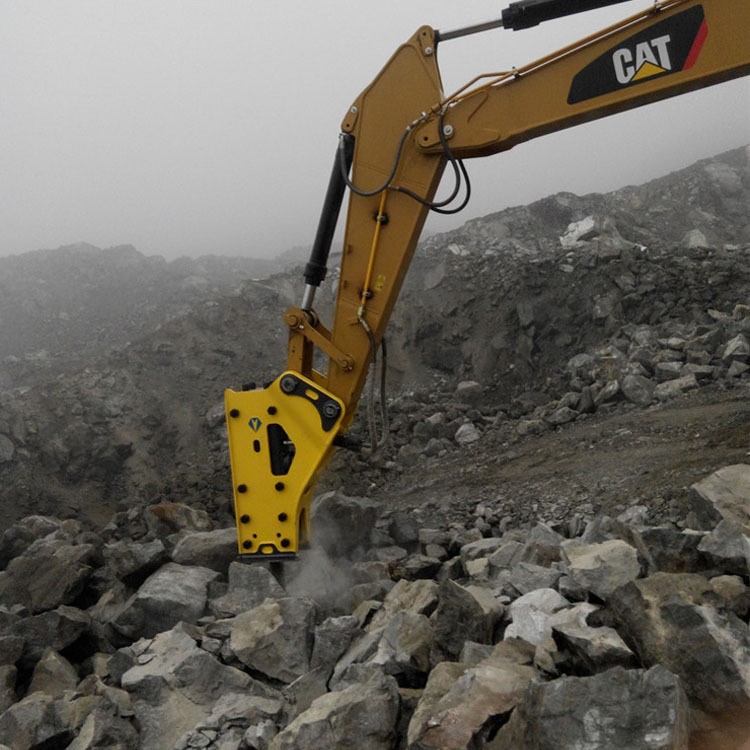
(397, 139)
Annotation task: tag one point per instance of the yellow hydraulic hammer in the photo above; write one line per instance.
(279, 439)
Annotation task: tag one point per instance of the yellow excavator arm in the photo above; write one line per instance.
(396, 140)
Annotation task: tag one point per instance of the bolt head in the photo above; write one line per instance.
(288, 384)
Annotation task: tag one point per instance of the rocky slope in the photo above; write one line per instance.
(551, 551)
(60, 309)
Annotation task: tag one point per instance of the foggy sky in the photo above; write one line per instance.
(186, 127)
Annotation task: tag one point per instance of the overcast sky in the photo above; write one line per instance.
(186, 127)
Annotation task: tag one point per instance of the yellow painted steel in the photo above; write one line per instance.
(279, 439)
(492, 113)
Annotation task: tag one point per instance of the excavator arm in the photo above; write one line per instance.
(397, 139)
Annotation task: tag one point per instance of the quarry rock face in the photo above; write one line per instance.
(552, 550)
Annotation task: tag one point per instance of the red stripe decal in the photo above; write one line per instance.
(695, 50)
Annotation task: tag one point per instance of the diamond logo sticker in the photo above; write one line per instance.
(255, 424)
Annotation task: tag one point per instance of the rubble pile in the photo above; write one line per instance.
(149, 635)
(551, 551)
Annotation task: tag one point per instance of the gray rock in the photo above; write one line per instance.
(674, 388)
(134, 560)
(724, 494)
(638, 389)
(465, 613)
(51, 573)
(725, 548)
(342, 524)
(249, 586)
(174, 686)
(215, 549)
(37, 721)
(7, 449)
(359, 717)
(455, 709)
(593, 650)
(166, 518)
(404, 648)
(275, 638)
(53, 675)
(601, 568)
(615, 710)
(56, 629)
(737, 350)
(669, 619)
(466, 434)
(102, 729)
(174, 593)
(8, 675)
(541, 546)
(420, 597)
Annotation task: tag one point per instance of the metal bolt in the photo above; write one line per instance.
(234, 413)
(288, 384)
(242, 488)
(247, 544)
(331, 409)
(448, 131)
(428, 51)
(272, 410)
(245, 518)
(279, 486)
(353, 109)
(285, 543)
(283, 517)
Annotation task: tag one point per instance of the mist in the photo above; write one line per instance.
(186, 127)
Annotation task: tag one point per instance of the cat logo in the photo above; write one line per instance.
(255, 424)
(647, 59)
(667, 47)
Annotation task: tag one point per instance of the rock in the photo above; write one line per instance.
(37, 721)
(53, 675)
(134, 561)
(465, 613)
(601, 568)
(102, 729)
(616, 710)
(674, 388)
(469, 392)
(420, 597)
(669, 619)
(359, 717)
(457, 705)
(174, 593)
(7, 449)
(466, 434)
(404, 648)
(541, 546)
(724, 494)
(249, 586)
(215, 549)
(8, 676)
(638, 389)
(342, 524)
(725, 548)
(561, 416)
(168, 518)
(56, 629)
(174, 686)
(49, 574)
(737, 350)
(593, 649)
(275, 637)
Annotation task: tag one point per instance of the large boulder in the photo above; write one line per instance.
(172, 594)
(275, 637)
(672, 620)
(616, 710)
(360, 717)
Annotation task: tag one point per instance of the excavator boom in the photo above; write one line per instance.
(397, 138)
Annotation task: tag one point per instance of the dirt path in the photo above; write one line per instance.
(601, 463)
